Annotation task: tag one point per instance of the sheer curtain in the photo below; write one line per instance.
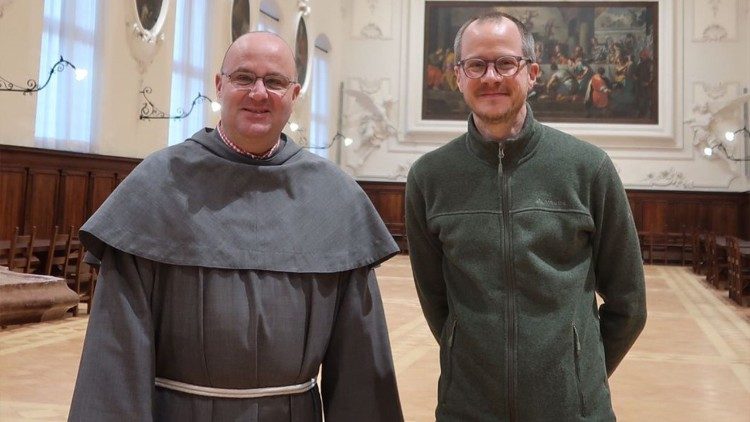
(65, 108)
(189, 69)
(320, 114)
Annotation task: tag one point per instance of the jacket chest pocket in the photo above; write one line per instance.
(559, 238)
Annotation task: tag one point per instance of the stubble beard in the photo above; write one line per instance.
(518, 100)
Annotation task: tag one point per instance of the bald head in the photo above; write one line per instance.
(272, 43)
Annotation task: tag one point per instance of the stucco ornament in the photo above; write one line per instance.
(3, 5)
(670, 177)
(304, 7)
(710, 118)
(373, 125)
(144, 44)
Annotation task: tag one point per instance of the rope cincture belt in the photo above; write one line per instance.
(234, 393)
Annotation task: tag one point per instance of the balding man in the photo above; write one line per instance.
(235, 266)
(513, 228)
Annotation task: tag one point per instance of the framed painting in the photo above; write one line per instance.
(240, 18)
(301, 51)
(599, 60)
(148, 13)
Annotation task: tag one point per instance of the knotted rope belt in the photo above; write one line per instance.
(234, 393)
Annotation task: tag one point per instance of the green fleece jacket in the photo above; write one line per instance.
(509, 242)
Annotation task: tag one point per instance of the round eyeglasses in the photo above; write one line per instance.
(505, 66)
(278, 84)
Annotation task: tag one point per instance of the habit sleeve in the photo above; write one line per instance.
(358, 380)
(426, 256)
(116, 376)
(619, 268)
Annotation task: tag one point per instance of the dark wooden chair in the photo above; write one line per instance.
(58, 254)
(20, 256)
(717, 262)
(81, 277)
(698, 257)
(644, 238)
(738, 273)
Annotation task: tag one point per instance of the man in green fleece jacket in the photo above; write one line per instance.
(513, 228)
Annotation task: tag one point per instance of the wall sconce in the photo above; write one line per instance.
(730, 137)
(712, 119)
(300, 132)
(33, 85)
(150, 111)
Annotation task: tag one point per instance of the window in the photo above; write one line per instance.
(64, 110)
(321, 103)
(270, 17)
(188, 69)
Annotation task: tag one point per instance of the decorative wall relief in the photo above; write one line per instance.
(669, 177)
(371, 19)
(715, 20)
(369, 115)
(716, 110)
(145, 27)
(401, 170)
(304, 7)
(3, 4)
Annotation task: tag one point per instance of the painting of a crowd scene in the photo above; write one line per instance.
(598, 59)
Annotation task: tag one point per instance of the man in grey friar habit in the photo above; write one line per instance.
(234, 266)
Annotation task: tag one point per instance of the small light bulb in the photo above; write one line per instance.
(81, 74)
(348, 141)
(215, 106)
(729, 136)
(293, 126)
(708, 151)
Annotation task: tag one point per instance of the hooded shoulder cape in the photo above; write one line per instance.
(199, 203)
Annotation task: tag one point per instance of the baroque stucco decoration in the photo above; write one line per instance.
(715, 111)
(304, 7)
(3, 5)
(144, 43)
(715, 20)
(371, 19)
(370, 110)
(669, 177)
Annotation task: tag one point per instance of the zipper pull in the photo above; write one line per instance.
(500, 156)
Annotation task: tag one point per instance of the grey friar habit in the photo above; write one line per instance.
(223, 271)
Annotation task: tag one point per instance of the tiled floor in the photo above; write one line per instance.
(692, 362)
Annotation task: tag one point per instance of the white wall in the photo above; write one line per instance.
(374, 48)
(119, 78)
(700, 46)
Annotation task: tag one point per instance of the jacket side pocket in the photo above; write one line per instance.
(447, 358)
(577, 359)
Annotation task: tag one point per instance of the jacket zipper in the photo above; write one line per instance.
(508, 273)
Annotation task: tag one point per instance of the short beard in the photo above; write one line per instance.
(509, 116)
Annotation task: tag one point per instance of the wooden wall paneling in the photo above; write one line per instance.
(745, 216)
(100, 186)
(73, 203)
(120, 177)
(13, 199)
(654, 216)
(725, 218)
(41, 200)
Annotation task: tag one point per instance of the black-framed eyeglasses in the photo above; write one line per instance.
(505, 66)
(278, 84)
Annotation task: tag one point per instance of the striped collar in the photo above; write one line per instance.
(264, 156)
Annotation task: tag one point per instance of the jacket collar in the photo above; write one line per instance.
(514, 148)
